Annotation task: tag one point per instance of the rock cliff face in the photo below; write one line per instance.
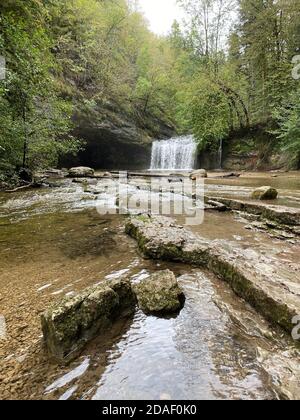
(115, 140)
(246, 150)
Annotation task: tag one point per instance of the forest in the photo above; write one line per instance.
(230, 66)
(149, 202)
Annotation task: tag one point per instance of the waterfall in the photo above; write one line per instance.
(176, 153)
(221, 154)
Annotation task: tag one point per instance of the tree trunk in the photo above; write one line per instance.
(25, 147)
(233, 94)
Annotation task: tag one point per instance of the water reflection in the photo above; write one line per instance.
(196, 355)
(69, 377)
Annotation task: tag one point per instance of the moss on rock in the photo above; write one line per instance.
(160, 294)
(265, 193)
(161, 238)
(285, 216)
(71, 323)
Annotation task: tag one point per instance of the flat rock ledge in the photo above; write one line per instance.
(160, 294)
(269, 292)
(287, 217)
(71, 323)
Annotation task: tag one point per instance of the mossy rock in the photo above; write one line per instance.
(161, 238)
(71, 323)
(160, 294)
(265, 193)
(81, 172)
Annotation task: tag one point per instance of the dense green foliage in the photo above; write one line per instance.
(228, 65)
(35, 119)
(67, 58)
(288, 118)
(237, 59)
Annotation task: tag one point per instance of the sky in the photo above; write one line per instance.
(160, 14)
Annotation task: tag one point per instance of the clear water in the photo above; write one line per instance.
(54, 243)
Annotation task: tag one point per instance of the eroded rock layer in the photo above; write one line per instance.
(271, 293)
(71, 323)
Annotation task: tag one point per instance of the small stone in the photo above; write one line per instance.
(22, 327)
(165, 397)
(3, 332)
(21, 359)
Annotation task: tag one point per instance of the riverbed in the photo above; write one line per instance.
(55, 243)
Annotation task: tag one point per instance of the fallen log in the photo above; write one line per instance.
(23, 187)
(34, 184)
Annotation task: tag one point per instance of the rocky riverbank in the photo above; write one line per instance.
(273, 297)
(281, 222)
(54, 245)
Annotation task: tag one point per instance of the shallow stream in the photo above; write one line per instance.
(54, 243)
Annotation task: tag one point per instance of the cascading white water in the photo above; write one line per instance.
(176, 153)
(220, 153)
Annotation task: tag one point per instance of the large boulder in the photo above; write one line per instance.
(71, 323)
(200, 173)
(160, 294)
(81, 172)
(265, 193)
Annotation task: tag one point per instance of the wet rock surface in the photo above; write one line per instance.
(215, 205)
(54, 244)
(200, 173)
(287, 217)
(283, 370)
(71, 323)
(273, 295)
(160, 294)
